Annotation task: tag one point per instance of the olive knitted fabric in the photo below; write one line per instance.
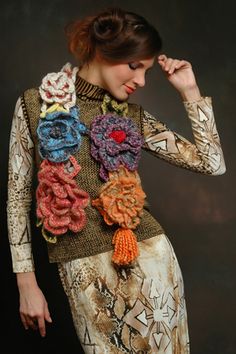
(97, 236)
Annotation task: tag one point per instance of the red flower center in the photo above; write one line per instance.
(118, 135)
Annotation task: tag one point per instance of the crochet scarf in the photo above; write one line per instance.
(115, 144)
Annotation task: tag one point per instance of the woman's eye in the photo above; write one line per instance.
(133, 66)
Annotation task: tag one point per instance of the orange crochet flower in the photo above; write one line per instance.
(121, 201)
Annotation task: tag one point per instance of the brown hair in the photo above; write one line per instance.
(116, 35)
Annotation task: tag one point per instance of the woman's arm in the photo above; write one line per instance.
(205, 156)
(20, 171)
(33, 306)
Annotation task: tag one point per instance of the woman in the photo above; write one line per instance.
(117, 266)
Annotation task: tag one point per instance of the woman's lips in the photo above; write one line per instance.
(129, 89)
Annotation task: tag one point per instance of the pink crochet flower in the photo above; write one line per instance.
(60, 203)
(59, 88)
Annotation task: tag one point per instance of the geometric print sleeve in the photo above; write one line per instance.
(205, 156)
(20, 171)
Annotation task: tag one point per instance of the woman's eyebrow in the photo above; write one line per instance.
(141, 65)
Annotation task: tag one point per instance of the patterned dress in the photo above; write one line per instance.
(136, 309)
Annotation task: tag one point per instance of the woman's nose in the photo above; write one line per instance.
(139, 79)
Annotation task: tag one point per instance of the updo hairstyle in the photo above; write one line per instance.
(116, 35)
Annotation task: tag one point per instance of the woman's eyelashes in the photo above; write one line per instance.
(133, 66)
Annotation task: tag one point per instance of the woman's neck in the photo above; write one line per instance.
(90, 73)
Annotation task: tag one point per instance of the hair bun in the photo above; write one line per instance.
(115, 35)
(107, 26)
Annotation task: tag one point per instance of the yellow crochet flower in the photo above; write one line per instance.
(56, 107)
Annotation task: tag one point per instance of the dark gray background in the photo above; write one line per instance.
(196, 211)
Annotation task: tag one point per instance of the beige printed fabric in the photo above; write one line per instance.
(20, 171)
(134, 310)
(205, 156)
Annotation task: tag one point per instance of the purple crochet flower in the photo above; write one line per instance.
(116, 141)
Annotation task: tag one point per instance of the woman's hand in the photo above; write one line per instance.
(33, 305)
(181, 76)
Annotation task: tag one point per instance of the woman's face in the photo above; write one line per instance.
(121, 80)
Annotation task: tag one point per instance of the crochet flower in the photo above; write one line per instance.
(111, 105)
(60, 202)
(56, 107)
(116, 141)
(59, 135)
(59, 88)
(121, 199)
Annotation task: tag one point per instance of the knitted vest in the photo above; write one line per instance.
(97, 236)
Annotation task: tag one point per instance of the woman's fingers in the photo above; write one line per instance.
(183, 63)
(31, 323)
(41, 326)
(47, 314)
(169, 65)
(162, 57)
(36, 322)
(24, 322)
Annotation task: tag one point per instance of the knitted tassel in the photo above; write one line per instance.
(126, 247)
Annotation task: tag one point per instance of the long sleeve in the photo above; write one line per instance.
(20, 171)
(205, 156)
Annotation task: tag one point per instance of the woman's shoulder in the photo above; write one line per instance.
(33, 91)
(135, 108)
(132, 104)
(31, 96)
(31, 102)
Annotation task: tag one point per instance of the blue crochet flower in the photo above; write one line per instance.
(59, 135)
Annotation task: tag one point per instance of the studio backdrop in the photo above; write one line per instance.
(196, 211)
